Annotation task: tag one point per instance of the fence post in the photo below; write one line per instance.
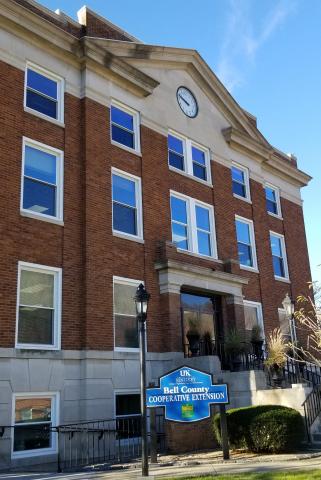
(153, 433)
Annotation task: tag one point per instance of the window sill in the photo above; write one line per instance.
(34, 453)
(128, 149)
(44, 117)
(249, 269)
(245, 199)
(128, 237)
(281, 279)
(275, 216)
(197, 255)
(29, 214)
(128, 350)
(187, 175)
(21, 346)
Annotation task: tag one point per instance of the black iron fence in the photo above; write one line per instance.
(312, 408)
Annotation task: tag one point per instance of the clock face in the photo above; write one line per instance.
(187, 102)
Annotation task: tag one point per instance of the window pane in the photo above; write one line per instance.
(284, 323)
(270, 194)
(239, 189)
(41, 104)
(128, 404)
(124, 219)
(276, 246)
(198, 156)
(271, 207)
(178, 208)
(124, 299)
(124, 190)
(35, 325)
(175, 144)
(204, 243)
(32, 437)
(41, 83)
(33, 410)
(242, 232)
(245, 255)
(122, 118)
(238, 175)
(179, 233)
(36, 288)
(199, 172)
(202, 218)
(126, 331)
(40, 165)
(122, 136)
(39, 197)
(251, 317)
(278, 266)
(176, 160)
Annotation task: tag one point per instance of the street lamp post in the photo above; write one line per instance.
(141, 300)
(289, 307)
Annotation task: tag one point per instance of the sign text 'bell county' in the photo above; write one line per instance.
(186, 394)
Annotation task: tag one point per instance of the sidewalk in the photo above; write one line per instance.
(203, 463)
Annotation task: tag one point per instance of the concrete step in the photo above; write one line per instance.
(316, 438)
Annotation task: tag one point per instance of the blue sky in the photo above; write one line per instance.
(266, 52)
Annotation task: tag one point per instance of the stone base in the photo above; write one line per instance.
(189, 437)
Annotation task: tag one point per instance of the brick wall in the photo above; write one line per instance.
(85, 247)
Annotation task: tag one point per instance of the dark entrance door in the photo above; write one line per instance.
(201, 324)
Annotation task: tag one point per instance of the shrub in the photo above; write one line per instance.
(264, 428)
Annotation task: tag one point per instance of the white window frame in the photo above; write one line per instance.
(245, 170)
(60, 94)
(258, 306)
(136, 124)
(55, 401)
(292, 325)
(188, 159)
(57, 273)
(59, 154)
(139, 207)
(252, 240)
(278, 201)
(123, 281)
(286, 278)
(191, 203)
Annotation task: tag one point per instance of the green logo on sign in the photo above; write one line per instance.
(188, 410)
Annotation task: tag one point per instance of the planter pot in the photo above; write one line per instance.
(236, 362)
(258, 348)
(277, 376)
(194, 343)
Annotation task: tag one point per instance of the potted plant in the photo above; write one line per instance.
(234, 347)
(257, 341)
(193, 336)
(276, 355)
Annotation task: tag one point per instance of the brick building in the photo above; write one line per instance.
(123, 163)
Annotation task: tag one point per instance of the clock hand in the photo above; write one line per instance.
(180, 96)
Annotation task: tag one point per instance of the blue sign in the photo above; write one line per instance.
(186, 394)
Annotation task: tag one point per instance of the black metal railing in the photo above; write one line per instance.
(312, 408)
(294, 371)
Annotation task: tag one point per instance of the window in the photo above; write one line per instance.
(193, 225)
(253, 316)
(272, 198)
(34, 415)
(125, 321)
(44, 93)
(39, 307)
(287, 326)
(128, 418)
(188, 157)
(245, 243)
(125, 126)
(240, 182)
(127, 205)
(280, 266)
(42, 181)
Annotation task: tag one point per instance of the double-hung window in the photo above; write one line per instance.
(279, 259)
(44, 93)
(272, 198)
(240, 182)
(39, 307)
(124, 126)
(193, 226)
(189, 157)
(127, 204)
(34, 415)
(253, 316)
(246, 243)
(125, 318)
(42, 181)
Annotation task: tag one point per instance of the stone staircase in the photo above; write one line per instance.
(316, 432)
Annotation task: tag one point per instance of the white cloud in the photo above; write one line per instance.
(240, 44)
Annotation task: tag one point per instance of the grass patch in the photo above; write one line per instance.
(304, 475)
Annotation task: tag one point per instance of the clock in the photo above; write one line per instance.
(187, 102)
